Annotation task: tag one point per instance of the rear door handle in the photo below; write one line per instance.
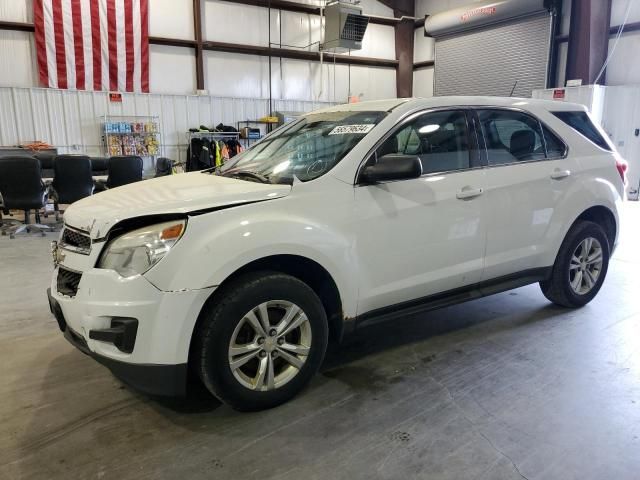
(558, 174)
(468, 192)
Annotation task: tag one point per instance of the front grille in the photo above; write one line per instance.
(79, 242)
(68, 282)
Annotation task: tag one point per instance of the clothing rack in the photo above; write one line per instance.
(213, 136)
(219, 153)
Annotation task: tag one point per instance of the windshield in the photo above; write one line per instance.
(307, 149)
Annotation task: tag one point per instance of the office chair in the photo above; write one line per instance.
(46, 163)
(99, 166)
(6, 212)
(122, 171)
(164, 167)
(72, 180)
(22, 188)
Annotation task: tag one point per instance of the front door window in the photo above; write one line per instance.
(439, 139)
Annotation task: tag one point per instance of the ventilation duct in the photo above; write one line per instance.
(344, 27)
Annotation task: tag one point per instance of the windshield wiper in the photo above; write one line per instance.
(250, 175)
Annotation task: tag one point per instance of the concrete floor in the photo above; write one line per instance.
(506, 387)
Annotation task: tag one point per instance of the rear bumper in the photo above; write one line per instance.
(168, 380)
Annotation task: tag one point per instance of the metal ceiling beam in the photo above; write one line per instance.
(401, 8)
(302, 8)
(298, 54)
(425, 64)
(17, 26)
(276, 52)
(173, 42)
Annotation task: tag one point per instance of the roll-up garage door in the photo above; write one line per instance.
(490, 60)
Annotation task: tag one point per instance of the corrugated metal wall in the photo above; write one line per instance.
(249, 25)
(71, 120)
(423, 82)
(16, 10)
(172, 69)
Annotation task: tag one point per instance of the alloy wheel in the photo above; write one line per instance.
(270, 345)
(585, 266)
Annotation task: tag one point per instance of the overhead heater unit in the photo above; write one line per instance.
(344, 27)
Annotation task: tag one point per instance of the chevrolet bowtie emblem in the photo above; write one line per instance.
(57, 254)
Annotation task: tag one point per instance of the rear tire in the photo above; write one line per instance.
(580, 267)
(275, 321)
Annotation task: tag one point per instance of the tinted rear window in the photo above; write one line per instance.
(581, 122)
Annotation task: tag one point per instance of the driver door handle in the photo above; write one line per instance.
(467, 192)
(558, 174)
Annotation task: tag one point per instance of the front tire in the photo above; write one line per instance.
(580, 268)
(262, 341)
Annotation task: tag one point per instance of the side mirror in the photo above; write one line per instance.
(393, 166)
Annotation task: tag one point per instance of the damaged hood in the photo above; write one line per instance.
(173, 194)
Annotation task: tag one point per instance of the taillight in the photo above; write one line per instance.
(622, 167)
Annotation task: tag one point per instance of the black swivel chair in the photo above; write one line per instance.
(21, 188)
(72, 180)
(100, 166)
(164, 167)
(46, 163)
(522, 144)
(122, 171)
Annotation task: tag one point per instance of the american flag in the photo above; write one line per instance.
(93, 44)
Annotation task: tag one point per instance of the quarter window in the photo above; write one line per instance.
(439, 139)
(581, 122)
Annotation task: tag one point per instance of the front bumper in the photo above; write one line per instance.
(151, 357)
(169, 380)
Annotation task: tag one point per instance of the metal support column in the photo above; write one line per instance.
(588, 40)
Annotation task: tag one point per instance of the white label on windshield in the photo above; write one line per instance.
(351, 129)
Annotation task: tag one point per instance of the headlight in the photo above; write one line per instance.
(137, 251)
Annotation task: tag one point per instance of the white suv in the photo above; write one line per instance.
(348, 216)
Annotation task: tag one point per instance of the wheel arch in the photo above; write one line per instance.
(602, 214)
(303, 268)
(604, 217)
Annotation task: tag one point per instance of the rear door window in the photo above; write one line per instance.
(511, 137)
(581, 122)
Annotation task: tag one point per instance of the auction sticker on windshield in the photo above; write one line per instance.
(344, 129)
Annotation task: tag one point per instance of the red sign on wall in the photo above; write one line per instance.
(115, 97)
(558, 94)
